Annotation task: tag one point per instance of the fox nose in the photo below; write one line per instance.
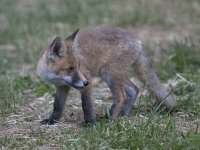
(85, 83)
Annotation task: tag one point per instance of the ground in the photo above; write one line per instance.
(170, 30)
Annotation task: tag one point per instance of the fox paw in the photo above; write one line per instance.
(48, 121)
(87, 123)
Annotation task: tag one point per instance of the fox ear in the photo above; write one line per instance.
(70, 39)
(56, 47)
(72, 36)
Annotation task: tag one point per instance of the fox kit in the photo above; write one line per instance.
(105, 51)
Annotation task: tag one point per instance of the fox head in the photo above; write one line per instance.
(58, 64)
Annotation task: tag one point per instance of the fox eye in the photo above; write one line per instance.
(70, 69)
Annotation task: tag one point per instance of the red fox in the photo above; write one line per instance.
(105, 51)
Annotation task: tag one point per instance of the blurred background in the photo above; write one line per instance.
(169, 28)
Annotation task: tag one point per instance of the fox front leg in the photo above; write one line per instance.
(59, 103)
(88, 105)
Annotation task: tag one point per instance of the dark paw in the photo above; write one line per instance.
(48, 121)
(123, 113)
(87, 123)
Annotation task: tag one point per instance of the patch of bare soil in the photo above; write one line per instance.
(26, 6)
(4, 23)
(157, 38)
(26, 120)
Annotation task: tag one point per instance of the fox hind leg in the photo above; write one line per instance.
(131, 93)
(115, 83)
(119, 97)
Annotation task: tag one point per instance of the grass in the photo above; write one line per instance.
(27, 25)
(176, 61)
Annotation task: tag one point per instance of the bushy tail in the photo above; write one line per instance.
(149, 78)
